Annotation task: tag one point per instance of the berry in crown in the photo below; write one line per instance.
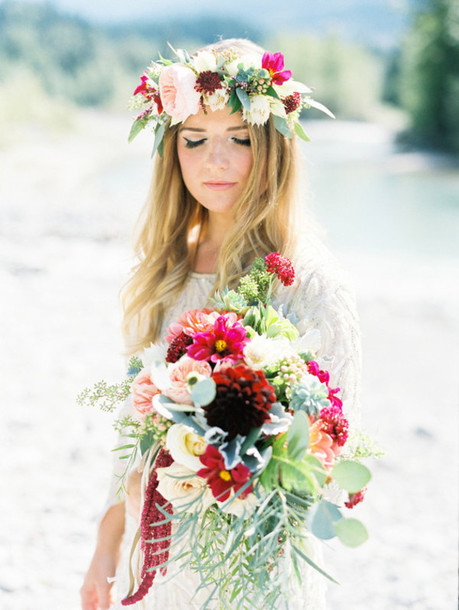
(258, 86)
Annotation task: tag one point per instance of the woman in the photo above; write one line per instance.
(223, 192)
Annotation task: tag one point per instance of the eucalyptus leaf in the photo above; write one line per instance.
(136, 128)
(243, 97)
(300, 132)
(203, 392)
(322, 518)
(351, 532)
(298, 436)
(159, 134)
(282, 126)
(351, 476)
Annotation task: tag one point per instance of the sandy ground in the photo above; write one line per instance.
(64, 253)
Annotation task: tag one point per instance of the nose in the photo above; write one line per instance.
(217, 157)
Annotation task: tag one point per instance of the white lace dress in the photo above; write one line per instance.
(320, 299)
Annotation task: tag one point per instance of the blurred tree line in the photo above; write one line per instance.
(75, 61)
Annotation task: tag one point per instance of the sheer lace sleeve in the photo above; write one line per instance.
(324, 300)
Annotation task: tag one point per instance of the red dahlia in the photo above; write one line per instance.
(208, 82)
(281, 266)
(220, 480)
(292, 102)
(243, 400)
(178, 347)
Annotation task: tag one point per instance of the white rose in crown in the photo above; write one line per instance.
(205, 61)
(259, 112)
(185, 446)
(181, 486)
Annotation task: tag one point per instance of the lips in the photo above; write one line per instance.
(219, 185)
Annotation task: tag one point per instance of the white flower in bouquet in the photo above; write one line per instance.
(262, 351)
(185, 446)
(181, 486)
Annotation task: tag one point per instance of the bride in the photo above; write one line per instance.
(224, 191)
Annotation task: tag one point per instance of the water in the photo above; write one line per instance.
(371, 197)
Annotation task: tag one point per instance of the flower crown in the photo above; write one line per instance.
(258, 86)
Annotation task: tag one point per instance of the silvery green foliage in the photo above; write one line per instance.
(229, 300)
(309, 395)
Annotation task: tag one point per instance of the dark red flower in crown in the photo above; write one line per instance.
(281, 266)
(292, 102)
(208, 82)
(244, 398)
(221, 480)
(274, 63)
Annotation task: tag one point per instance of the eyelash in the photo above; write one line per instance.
(195, 143)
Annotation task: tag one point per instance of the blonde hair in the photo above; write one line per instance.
(264, 221)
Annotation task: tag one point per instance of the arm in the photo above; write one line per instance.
(96, 592)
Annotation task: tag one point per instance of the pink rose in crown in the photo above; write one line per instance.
(143, 390)
(178, 94)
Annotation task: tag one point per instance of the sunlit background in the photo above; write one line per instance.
(383, 180)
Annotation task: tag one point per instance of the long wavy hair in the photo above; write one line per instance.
(264, 221)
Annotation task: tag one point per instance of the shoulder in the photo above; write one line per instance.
(322, 291)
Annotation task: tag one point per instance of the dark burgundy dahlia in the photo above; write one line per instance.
(208, 82)
(243, 400)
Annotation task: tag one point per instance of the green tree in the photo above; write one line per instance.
(429, 76)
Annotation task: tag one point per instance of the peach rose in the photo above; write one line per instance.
(178, 95)
(192, 321)
(143, 390)
(185, 446)
(178, 373)
(321, 445)
(182, 486)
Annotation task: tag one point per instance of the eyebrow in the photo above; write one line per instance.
(200, 130)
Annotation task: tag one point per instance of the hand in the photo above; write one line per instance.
(133, 487)
(96, 592)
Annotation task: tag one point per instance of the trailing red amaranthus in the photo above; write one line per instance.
(154, 535)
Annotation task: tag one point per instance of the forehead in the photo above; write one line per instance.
(217, 120)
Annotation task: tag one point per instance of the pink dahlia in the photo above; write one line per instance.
(274, 63)
(281, 266)
(224, 341)
(220, 480)
(335, 424)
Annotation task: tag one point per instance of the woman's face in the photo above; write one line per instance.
(215, 158)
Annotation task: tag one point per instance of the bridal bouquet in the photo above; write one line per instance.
(244, 433)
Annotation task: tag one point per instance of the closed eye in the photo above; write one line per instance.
(193, 143)
(242, 141)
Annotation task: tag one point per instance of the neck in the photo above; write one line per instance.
(208, 247)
